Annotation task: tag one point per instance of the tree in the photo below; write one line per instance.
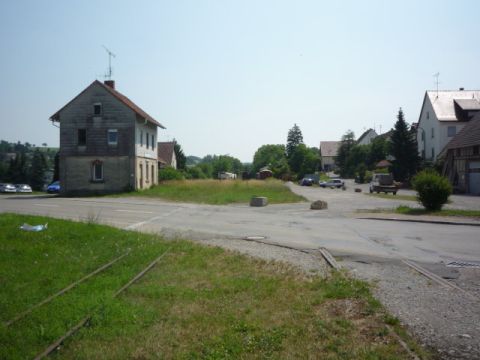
(347, 143)
(403, 147)
(294, 138)
(39, 166)
(378, 150)
(269, 155)
(181, 158)
(17, 170)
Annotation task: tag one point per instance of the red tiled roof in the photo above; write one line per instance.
(165, 152)
(383, 164)
(122, 98)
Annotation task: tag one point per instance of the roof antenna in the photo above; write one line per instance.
(436, 76)
(108, 75)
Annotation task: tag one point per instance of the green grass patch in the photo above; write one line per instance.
(393, 197)
(197, 302)
(406, 210)
(219, 192)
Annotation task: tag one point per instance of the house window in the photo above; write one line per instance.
(433, 133)
(82, 137)
(452, 130)
(146, 170)
(458, 152)
(153, 174)
(148, 139)
(476, 150)
(433, 153)
(97, 109)
(153, 142)
(428, 115)
(423, 135)
(141, 138)
(112, 136)
(97, 170)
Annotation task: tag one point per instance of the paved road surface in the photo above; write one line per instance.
(296, 225)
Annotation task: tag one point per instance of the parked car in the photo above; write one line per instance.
(23, 188)
(338, 183)
(54, 187)
(7, 188)
(306, 182)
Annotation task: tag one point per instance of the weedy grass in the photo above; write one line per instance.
(444, 212)
(220, 192)
(197, 302)
(393, 197)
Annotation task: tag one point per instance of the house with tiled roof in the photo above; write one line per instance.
(166, 154)
(107, 143)
(443, 114)
(367, 137)
(328, 154)
(462, 158)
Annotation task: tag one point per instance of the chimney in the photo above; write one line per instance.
(110, 83)
(461, 89)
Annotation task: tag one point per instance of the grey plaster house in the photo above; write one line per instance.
(107, 143)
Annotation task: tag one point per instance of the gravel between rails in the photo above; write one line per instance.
(440, 318)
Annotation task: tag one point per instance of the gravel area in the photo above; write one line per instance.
(440, 318)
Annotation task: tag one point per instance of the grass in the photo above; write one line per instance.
(394, 197)
(198, 302)
(218, 192)
(406, 210)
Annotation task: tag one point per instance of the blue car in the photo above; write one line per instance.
(54, 188)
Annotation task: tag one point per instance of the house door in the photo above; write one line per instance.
(474, 177)
(141, 176)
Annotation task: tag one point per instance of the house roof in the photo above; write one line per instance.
(387, 135)
(365, 134)
(468, 136)
(165, 151)
(443, 102)
(122, 98)
(383, 164)
(329, 148)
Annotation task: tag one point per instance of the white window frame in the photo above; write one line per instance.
(112, 131)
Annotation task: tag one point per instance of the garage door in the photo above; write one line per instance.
(474, 177)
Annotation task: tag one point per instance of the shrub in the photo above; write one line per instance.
(432, 189)
(169, 173)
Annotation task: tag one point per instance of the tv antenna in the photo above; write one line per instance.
(108, 75)
(436, 76)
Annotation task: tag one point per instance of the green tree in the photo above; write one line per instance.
(181, 158)
(17, 170)
(269, 155)
(403, 147)
(347, 144)
(37, 173)
(378, 150)
(294, 138)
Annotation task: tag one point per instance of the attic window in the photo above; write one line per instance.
(97, 109)
(476, 150)
(82, 137)
(428, 114)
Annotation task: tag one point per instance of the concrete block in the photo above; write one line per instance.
(258, 201)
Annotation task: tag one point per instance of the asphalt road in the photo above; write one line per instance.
(294, 225)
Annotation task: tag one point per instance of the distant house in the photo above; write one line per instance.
(367, 137)
(107, 142)
(328, 154)
(166, 154)
(462, 158)
(443, 115)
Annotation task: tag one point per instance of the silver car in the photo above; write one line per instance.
(338, 183)
(23, 188)
(7, 188)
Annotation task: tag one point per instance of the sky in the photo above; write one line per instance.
(226, 77)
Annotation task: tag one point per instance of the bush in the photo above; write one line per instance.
(169, 173)
(432, 189)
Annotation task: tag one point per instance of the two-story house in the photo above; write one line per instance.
(443, 114)
(367, 137)
(107, 143)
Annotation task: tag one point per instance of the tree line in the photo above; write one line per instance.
(24, 163)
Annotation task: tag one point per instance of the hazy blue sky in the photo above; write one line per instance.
(225, 77)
